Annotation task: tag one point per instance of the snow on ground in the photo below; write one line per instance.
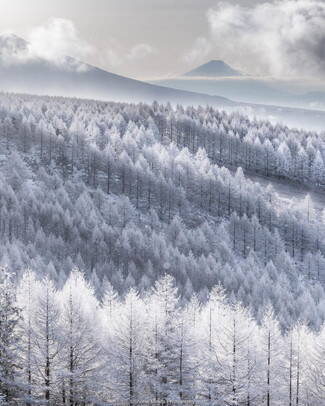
(291, 195)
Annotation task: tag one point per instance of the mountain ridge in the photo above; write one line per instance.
(213, 68)
(25, 75)
(22, 73)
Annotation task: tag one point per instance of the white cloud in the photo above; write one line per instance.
(53, 42)
(111, 58)
(139, 51)
(279, 38)
(56, 39)
(199, 51)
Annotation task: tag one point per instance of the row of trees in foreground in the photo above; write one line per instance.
(65, 346)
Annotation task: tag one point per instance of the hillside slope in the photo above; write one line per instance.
(295, 108)
(130, 192)
(22, 73)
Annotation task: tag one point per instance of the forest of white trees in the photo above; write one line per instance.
(195, 283)
(129, 192)
(64, 346)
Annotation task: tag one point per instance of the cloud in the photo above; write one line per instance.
(136, 53)
(57, 40)
(279, 38)
(139, 51)
(111, 58)
(53, 42)
(199, 51)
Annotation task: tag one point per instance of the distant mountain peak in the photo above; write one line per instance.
(12, 47)
(213, 68)
(12, 41)
(26, 69)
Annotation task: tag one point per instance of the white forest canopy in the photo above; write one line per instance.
(64, 346)
(128, 192)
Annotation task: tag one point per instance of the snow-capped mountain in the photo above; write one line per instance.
(213, 68)
(246, 89)
(218, 78)
(162, 241)
(23, 72)
(11, 44)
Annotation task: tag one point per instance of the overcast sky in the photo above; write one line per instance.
(161, 38)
